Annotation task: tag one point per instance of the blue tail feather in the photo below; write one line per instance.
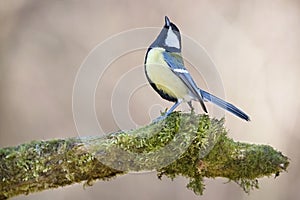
(225, 105)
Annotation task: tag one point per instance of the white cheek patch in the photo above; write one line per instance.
(183, 71)
(172, 40)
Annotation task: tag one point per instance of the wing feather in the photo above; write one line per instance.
(175, 62)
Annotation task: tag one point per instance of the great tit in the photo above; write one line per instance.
(168, 76)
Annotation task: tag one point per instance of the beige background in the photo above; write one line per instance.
(254, 44)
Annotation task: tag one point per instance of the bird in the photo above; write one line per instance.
(166, 73)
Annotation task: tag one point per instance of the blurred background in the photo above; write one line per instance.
(255, 46)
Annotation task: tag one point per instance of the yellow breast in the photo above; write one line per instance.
(160, 74)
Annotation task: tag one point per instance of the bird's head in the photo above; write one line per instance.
(169, 37)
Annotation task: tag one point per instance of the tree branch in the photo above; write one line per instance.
(193, 146)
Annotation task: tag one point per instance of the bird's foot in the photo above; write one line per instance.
(160, 118)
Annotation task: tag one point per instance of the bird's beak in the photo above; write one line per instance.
(167, 21)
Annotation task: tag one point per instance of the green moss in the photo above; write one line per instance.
(187, 165)
(189, 145)
(239, 162)
(37, 166)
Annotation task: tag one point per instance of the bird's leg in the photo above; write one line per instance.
(178, 102)
(191, 106)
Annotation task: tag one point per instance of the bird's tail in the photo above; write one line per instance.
(225, 105)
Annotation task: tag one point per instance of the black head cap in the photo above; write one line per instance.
(168, 24)
(169, 38)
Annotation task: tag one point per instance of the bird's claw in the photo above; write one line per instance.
(160, 118)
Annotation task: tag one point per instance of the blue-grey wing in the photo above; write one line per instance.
(175, 62)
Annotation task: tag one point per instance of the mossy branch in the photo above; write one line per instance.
(189, 145)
